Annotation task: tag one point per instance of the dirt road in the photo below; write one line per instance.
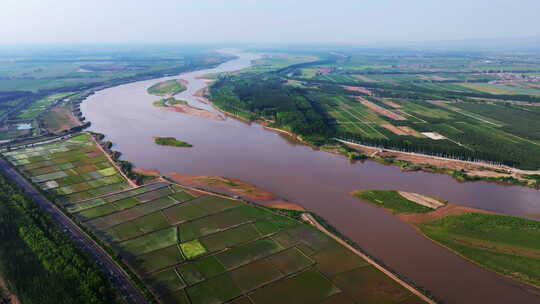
(307, 217)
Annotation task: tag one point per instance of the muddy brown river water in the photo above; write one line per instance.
(317, 180)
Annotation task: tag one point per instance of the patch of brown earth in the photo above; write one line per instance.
(422, 199)
(411, 131)
(381, 110)
(64, 118)
(182, 82)
(471, 169)
(486, 173)
(358, 89)
(147, 172)
(449, 209)
(537, 215)
(231, 185)
(418, 159)
(284, 205)
(393, 129)
(186, 109)
(391, 104)
(201, 95)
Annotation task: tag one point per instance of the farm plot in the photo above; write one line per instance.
(382, 111)
(38, 107)
(356, 118)
(212, 249)
(74, 169)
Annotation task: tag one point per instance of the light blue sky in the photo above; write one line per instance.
(343, 21)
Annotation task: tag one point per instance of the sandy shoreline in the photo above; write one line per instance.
(186, 109)
(284, 205)
(231, 185)
(147, 172)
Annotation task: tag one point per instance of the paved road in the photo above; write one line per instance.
(117, 276)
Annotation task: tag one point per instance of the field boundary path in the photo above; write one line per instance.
(307, 217)
(112, 161)
(112, 270)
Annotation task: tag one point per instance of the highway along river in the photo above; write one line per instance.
(317, 180)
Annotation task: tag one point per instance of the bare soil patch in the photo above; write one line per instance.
(394, 129)
(470, 169)
(422, 199)
(147, 172)
(411, 131)
(486, 173)
(284, 205)
(358, 89)
(391, 104)
(449, 209)
(64, 119)
(186, 109)
(381, 111)
(182, 82)
(201, 95)
(235, 186)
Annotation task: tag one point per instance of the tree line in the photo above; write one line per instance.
(38, 262)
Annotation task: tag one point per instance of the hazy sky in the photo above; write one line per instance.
(349, 21)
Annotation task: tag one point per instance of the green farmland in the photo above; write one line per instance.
(505, 244)
(38, 107)
(193, 247)
(74, 169)
(167, 88)
(451, 106)
(188, 246)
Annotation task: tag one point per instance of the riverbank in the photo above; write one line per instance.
(310, 219)
(459, 169)
(318, 181)
(231, 185)
(507, 245)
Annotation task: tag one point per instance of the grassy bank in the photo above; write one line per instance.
(507, 245)
(171, 141)
(169, 87)
(391, 200)
(168, 101)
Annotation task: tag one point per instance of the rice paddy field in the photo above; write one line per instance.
(193, 247)
(73, 169)
(189, 246)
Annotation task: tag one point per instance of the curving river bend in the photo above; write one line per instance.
(317, 180)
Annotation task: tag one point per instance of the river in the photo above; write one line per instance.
(317, 180)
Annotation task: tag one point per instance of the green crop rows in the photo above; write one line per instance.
(191, 247)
